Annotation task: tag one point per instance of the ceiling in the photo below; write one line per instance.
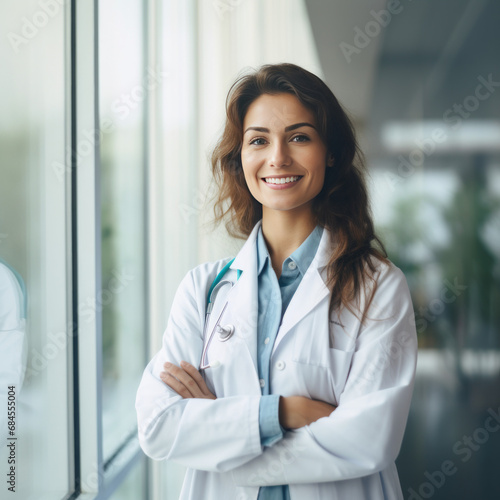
(427, 57)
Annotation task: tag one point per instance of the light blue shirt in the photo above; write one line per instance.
(274, 295)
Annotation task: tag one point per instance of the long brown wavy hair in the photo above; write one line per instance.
(342, 205)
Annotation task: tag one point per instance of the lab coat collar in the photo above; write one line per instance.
(302, 256)
(244, 301)
(311, 290)
(262, 251)
(247, 256)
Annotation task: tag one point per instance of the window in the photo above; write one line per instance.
(134, 486)
(36, 338)
(124, 83)
(72, 333)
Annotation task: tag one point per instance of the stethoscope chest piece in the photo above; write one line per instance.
(225, 332)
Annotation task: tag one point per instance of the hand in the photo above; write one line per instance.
(186, 381)
(298, 411)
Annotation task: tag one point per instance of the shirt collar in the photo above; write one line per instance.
(262, 252)
(302, 256)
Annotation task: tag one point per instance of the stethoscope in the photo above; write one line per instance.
(225, 332)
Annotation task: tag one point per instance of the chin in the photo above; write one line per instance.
(280, 208)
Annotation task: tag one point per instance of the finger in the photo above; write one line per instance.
(195, 374)
(175, 385)
(182, 376)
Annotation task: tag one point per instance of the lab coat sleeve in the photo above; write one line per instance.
(364, 434)
(204, 434)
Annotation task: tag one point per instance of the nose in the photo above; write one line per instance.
(279, 155)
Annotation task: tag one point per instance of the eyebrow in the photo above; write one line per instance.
(287, 129)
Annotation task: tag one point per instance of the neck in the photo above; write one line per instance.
(284, 231)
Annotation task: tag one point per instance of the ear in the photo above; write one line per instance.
(330, 161)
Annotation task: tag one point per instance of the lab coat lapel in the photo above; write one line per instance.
(244, 297)
(311, 290)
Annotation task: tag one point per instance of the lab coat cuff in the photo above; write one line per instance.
(269, 424)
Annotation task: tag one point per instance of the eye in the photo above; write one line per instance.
(258, 141)
(300, 138)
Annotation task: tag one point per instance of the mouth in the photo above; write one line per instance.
(282, 180)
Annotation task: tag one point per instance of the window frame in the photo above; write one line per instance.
(95, 479)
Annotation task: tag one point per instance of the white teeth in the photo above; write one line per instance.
(281, 180)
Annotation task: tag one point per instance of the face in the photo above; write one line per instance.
(283, 155)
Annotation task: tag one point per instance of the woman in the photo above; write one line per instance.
(300, 385)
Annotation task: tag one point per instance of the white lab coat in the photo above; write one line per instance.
(367, 371)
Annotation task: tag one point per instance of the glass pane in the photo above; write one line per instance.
(35, 336)
(134, 486)
(123, 85)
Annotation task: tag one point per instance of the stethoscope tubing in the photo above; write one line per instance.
(215, 287)
(203, 364)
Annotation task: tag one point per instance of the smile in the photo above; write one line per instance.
(282, 180)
